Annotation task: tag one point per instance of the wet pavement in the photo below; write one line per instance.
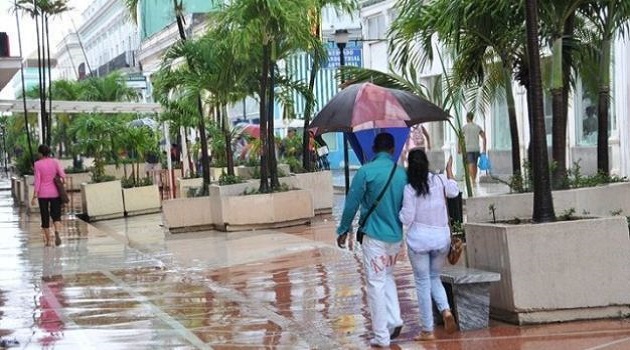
(126, 284)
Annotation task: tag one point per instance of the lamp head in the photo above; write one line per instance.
(341, 36)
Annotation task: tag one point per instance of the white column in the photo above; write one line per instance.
(40, 128)
(184, 156)
(622, 105)
(169, 163)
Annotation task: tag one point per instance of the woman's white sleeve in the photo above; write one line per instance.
(452, 190)
(408, 211)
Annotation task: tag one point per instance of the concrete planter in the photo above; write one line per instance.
(321, 187)
(75, 180)
(19, 189)
(102, 200)
(117, 171)
(247, 172)
(554, 272)
(187, 214)
(183, 185)
(268, 210)
(141, 200)
(597, 201)
(215, 173)
(28, 187)
(14, 186)
(227, 209)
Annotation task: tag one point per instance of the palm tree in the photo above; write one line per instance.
(107, 89)
(315, 14)
(558, 20)
(41, 11)
(484, 38)
(609, 18)
(543, 202)
(269, 31)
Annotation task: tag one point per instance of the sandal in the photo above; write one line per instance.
(57, 239)
(449, 322)
(424, 336)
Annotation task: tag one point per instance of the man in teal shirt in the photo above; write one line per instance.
(383, 235)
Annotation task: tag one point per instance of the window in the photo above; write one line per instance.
(501, 137)
(376, 27)
(585, 117)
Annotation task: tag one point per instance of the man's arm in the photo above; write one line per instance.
(483, 137)
(426, 137)
(353, 200)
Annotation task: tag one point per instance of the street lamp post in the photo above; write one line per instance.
(5, 153)
(341, 38)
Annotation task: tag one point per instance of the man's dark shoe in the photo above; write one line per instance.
(57, 239)
(395, 333)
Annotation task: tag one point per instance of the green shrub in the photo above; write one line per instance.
(131, 182)
(283, 188)
(226, 179)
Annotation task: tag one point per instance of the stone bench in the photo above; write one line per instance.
(468, 291)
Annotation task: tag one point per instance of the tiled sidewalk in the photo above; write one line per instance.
(124, 284)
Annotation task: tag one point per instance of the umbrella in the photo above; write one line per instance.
(252, 130)
(137, 123)
(367, 106)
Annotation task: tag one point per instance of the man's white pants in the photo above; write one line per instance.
(379, 259)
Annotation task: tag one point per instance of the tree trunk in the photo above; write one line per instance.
(42, 94)
(50, 97)
(264, 149)
(516, 144)
(201, 125)
(559, 124)
(306, 154)
(559, 138)
(228, 141)
(602, 109)
(543, 202)
(273, 163)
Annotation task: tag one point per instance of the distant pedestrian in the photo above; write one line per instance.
(472, 133)
(46, 193)
(418, 138)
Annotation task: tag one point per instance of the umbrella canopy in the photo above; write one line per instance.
(367, 106)
(363, 140)
(137, 123)
(252, 130)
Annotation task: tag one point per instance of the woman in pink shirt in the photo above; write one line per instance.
(46, 193)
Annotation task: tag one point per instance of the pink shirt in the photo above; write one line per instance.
(45, 171)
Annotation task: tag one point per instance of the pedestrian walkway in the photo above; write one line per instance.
(126, 284)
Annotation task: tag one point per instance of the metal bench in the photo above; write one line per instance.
(468, 290)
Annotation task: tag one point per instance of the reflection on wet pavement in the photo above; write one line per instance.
(125, 284)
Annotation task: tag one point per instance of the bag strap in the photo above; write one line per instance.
(380, 196)
(448, 214)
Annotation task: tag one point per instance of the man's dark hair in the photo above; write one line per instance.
(383, 142)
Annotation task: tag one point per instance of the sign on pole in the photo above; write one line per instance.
(352, 54)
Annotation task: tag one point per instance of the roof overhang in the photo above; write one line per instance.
(73, 107)
(8, 67)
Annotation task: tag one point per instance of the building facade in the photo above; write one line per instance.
(376, 18)
(109, 37)
(31, 75)
(70, 58)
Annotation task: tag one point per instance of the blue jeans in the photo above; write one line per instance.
(426, 272)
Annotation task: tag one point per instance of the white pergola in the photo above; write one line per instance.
(76, 107)
(72, 107)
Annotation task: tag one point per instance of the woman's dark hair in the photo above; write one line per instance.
(44, 150)
(418, 171)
